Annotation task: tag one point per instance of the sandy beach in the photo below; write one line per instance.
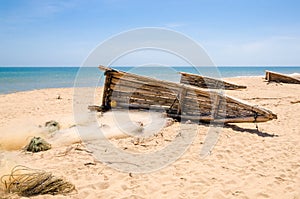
(245, 163)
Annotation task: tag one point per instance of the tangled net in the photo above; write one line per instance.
(31, 182)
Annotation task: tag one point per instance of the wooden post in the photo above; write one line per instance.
(182, 94)
(215, 105)
(106, 90)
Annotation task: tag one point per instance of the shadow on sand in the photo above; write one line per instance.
(252, 131)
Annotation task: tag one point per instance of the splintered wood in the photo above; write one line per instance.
(207, 82)
(130, 91)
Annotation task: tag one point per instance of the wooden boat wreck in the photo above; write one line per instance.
(207, 82)
(279, 77)
(181, 101)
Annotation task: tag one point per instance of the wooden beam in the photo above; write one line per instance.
(207, 82)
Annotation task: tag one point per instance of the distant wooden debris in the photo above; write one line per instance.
(278, 77)
(207, 82)
(180, 101)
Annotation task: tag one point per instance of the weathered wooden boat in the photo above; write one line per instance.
(207, 82)
(279, 77)
(181, 101)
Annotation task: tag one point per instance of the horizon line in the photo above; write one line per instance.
(78, 66)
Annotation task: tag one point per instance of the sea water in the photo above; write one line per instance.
(14, 79)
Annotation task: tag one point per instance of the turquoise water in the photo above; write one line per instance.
(14, 79)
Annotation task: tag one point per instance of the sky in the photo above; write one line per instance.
(232, 32)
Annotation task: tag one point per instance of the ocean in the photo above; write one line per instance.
(14, 79)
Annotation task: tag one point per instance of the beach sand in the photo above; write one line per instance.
(244, 163)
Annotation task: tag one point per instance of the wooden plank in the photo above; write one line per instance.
(129, 86)
(144, 80)
(135, 95)
(207, 82)
(97, 108)
(226, 120)
(144, 106)
(278, 77)
(230, 101)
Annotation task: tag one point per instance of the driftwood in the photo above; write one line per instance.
(278, 77)
(180, 101)
(207, 82)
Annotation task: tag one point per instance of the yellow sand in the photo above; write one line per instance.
(243, 164)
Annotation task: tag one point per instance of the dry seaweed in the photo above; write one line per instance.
(37, 144)
(31, 182)
(52, 126)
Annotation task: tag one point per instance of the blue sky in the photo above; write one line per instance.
(233, 32)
